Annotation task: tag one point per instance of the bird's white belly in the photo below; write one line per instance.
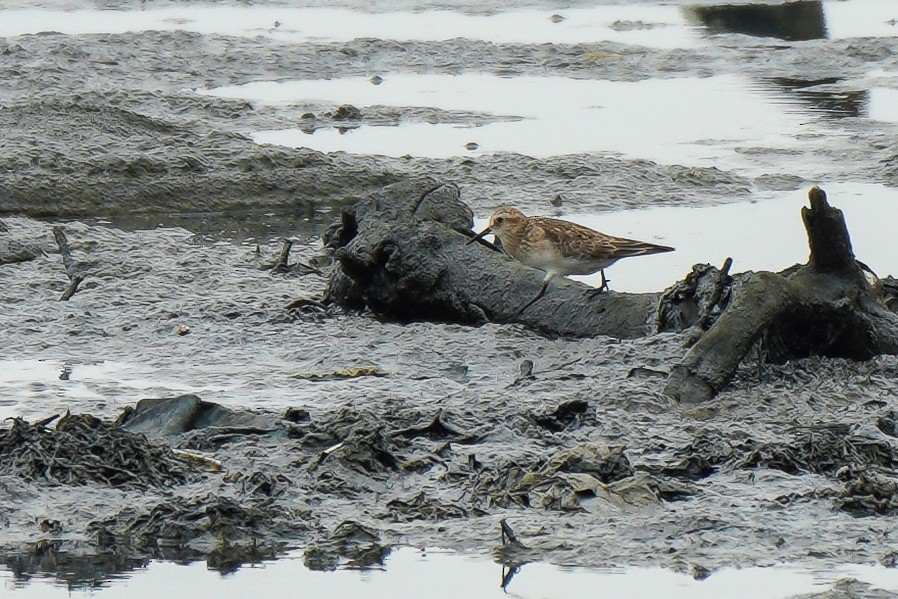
(567, 265)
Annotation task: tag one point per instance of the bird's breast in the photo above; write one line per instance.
(544, 255)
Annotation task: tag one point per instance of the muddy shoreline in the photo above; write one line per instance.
(101, 142)
(344, 435)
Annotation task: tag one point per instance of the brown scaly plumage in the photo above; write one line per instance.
(560, 247)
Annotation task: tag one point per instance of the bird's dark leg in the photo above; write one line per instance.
(539, 294)
(602, 288)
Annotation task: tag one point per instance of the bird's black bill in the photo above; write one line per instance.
(479, 236)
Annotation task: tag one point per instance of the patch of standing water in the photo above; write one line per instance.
(860, 18)
(689, 121)
(662, 26)
(411, 573)
(643, 25)
(763, 235)
(883, 104)
(33, 388)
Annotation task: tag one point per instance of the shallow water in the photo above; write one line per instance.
(641, 24)
(297, 25)
(409, 573)
(884, 104)
(689, 121)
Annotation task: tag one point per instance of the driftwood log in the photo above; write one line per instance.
(402, 253)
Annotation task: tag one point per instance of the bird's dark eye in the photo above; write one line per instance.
(500, 220)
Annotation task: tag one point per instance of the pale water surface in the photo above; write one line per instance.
(413, 573)
(340, 25)
(725, 121)
(690, 121)
(660, 25)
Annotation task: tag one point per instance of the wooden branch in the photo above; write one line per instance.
(281, 265)
(68, 262)
(711, 362)
(402, 253)
(722, 283)
(508, 535)
(828, 236)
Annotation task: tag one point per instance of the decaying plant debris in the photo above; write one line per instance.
(413, 471)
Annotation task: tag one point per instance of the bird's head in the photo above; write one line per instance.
(507, 221)
(503, 223)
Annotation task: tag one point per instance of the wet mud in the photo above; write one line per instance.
(102, 142)
(460, 427)
(272, 419)
(658, 482)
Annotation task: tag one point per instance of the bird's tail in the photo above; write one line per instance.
(629, 247)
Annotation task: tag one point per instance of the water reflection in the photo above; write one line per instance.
(822, 95)
(792, 21)
(71, 570)
(884, 104)
(412, 572)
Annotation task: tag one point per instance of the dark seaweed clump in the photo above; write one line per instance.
(82, 450)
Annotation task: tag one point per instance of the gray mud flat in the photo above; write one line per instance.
(289, 423)
(460, 427)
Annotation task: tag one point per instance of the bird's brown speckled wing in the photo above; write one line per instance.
(576, 240)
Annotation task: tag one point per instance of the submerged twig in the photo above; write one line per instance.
(281, 264)
(71, 289)
(68, 262)
(508, 536)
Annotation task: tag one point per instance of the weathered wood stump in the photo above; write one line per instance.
(831, 306)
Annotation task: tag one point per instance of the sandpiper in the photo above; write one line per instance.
(560, 247)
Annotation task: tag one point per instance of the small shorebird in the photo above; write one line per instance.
(560, 247)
